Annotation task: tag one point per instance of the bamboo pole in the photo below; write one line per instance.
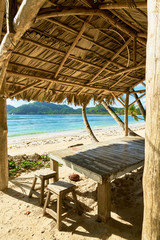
(124, 71)
(114, 56)
(3, 140)
(118, 99)
(12, 73)
(71, 48)
(126, 113)
(122, 5)
(137, 99)
(73, 44)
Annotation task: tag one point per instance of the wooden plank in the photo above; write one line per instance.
(126, 170)
(74, 166)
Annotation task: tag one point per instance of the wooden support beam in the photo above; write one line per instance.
(127, 71)
(12, 73)
(24, 89)
(72, 57)
(125, 75)
(137, 99)
(3, 140)
(126, 113)
(84, 36)
(122, 5)
(49, 13)
(11, 10)
(118, 100)
(115, 55)
(143, 84)
(2, 10)
(71, 47)
(39, 88)
(138, 91)
(22, 22)
(134, 51)
(74, 44)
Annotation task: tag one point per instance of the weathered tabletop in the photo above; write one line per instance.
(102, 162)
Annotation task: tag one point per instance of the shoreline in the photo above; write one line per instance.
(72, 132)
(46, 142)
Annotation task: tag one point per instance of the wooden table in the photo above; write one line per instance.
(102, 162)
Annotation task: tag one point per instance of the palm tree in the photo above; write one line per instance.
(116, 118)
(91, 134)
(133, 112)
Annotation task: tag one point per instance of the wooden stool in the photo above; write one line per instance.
(44, 175)
(60, 188)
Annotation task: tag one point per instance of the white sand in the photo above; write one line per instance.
(127, 204)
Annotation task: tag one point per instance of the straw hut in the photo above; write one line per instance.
(53, 50)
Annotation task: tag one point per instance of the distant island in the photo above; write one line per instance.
(38, 108)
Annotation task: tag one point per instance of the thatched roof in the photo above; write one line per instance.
(79, 50)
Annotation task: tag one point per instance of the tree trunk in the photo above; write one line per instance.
(3, 142)
(141, 108)
(91, 134)
(151, 178)
(117, 119)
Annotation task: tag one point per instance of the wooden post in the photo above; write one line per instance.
(126, 114)
(104, 201)
(3, 141)
(151, 178)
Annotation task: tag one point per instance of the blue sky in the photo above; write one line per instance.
(16, 103)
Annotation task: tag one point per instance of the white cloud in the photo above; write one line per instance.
(16, 103)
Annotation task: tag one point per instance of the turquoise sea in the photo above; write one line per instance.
(21, 125)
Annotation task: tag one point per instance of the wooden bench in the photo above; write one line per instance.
(44, 175)
(60, 189)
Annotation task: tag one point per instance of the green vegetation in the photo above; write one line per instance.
(9, 108)
(37, 108)
(30, 163)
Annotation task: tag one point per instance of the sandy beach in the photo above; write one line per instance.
(21, 217)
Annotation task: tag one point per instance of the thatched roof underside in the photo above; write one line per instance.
(75, 51)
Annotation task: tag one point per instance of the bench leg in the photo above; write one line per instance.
(104, 201)
(59, 211)
(46, 202)
(54, 167)
(76, 202)
(42, 192)
(33, 186)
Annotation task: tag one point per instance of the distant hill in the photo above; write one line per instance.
(38, 108)
(9, 108)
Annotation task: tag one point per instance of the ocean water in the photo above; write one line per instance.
(21, 125)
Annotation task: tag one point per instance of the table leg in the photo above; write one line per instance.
(104, 201)
(54, 167)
